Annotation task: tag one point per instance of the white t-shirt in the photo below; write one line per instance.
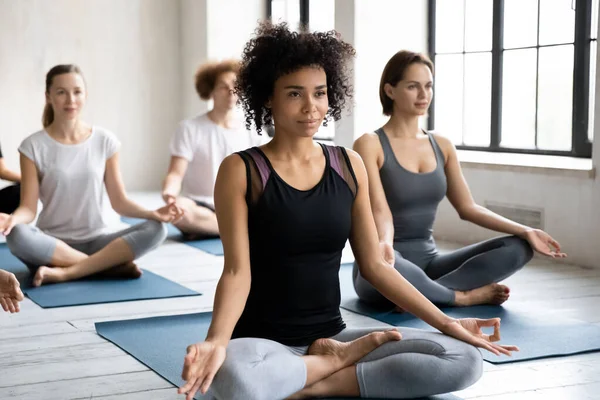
(71, 179)
(205, 145)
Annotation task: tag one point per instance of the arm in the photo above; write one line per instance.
(204, 359)
(7, 174)
(460, 197)
(368, 147)
(125, 206)
(30, 191)
(232, 214)
(172, 183)
(388, 281)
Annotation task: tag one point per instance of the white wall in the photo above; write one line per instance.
(193, 30)
(127, 53)
(377, 29)
(210, 30)
(383, 27)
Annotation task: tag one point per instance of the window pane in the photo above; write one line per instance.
(555, 98)
(449, 96)
(449, 26)
(594, 30)
(592, 110)
(518, 99)
(557, 22)
(520, 23)
(321, 17)
(286, 11)
(478, 25)
(478, 99)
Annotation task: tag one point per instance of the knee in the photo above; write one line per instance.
(17, 240)
(468, 368)
(521, 249)
(231, 383)
(156, 231)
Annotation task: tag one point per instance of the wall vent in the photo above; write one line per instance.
(528, 216)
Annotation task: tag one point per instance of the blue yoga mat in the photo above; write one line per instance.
(10, 263)
(209, 245)
(538, 335)
(160, 342)
(100, 290)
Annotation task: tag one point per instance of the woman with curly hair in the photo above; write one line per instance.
(285, 211)
(199, 146)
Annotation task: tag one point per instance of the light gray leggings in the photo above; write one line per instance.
(35, 248)
(421, 364)
(437, 276)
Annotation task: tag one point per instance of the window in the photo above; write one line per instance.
(316, 15)
(515, 75)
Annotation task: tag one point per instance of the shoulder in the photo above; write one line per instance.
(369, 140)
(33, 140)
(197, 124)
(105, 136)
(444, 143)
(369, 147)
(104, 133)
(356, 161)
(233, 163)
(232, 171)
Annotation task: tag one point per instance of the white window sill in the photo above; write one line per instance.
(529, 163)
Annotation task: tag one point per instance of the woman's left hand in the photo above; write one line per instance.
(169, 213)
(543, 243)
(469, 330)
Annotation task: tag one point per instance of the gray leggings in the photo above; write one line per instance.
(438, 276)
(35, 248)
(421, 364)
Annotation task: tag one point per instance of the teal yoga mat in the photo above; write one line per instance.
(102, 290)
(537, 334)
(160, 342)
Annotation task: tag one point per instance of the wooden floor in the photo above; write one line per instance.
(56, 354)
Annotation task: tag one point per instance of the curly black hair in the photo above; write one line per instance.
(276, 51)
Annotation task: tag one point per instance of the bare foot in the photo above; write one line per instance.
(346, 354)
(494, 293)
(48, 275)
(128, 271)
(10, 292)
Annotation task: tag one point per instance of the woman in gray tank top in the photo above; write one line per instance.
(410, 171)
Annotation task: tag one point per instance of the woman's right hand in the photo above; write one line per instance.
(200, 366)
(7, 223)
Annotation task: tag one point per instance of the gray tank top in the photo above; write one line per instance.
(412, 197)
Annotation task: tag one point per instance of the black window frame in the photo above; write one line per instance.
(581, 145)
(302, 4)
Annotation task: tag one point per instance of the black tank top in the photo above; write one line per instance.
(296, 240)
